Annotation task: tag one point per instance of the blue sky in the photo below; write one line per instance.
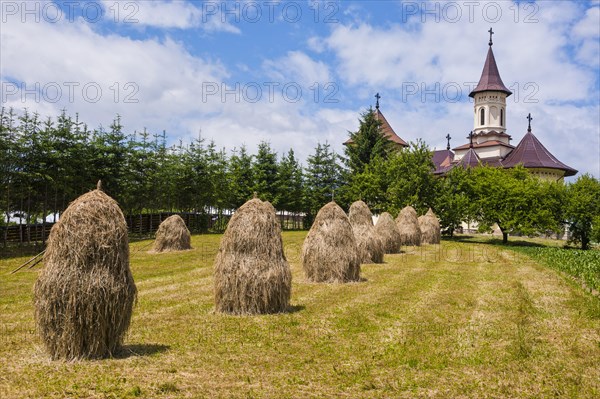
(295, 73)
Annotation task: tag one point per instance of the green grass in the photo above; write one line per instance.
(584, 265)
(463, 319)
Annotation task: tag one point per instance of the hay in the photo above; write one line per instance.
(370, 247)
(430, 228)
(408, 226)
(388, 233)
(84, 295)
(251, 273)
(172, 235)
(329, 253)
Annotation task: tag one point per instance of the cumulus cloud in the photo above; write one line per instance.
(158, 84)
(170, 14)
(418, 66)
(298, 67)
(176, 89)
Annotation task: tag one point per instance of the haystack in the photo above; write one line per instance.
(388, 233)
(329, 253)
(408, 226)
(251, 274)
(84, 295)
(172, 235)
(430, 228)
(370, 247)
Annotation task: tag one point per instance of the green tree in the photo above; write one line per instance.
(410, 179)
(241, 179)
(368, 143)
(8, 154)
(109, 159)
(265, 173)
(509, 198)
(583, 208)
(453, 204)
(370, 185)
(290, 187)
(322, 180)
(217, 177)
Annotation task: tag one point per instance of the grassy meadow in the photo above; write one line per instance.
(463, 319)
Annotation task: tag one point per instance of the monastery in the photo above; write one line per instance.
(489, 143)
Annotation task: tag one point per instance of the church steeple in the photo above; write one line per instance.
(490, 97)
(490, 79)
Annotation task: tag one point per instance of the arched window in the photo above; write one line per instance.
(482, 117)
(501, 116)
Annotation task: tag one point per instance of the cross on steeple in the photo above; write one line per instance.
(491, 32)
(377, 96)
(529, 118)
(448, 138)
(471, 139)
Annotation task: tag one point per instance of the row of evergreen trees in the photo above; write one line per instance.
(46, 164)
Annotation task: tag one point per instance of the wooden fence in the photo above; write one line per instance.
(141, 225)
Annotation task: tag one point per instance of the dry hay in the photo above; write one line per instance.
(370, 247)
(251, 273)
(388, 233)
(172, 235)
(84, 295)
(329, 253)
(430, 228)
(408, 226)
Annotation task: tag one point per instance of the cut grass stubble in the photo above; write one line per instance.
(454, 320)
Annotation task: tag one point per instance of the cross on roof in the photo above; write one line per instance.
(529, 118)
(377, 96)
(448, 138)
(491, 32)
(471, 139)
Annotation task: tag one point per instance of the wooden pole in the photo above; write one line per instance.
(29, 261)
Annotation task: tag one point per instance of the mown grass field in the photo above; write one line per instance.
(460, 320)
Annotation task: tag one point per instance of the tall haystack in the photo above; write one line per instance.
(172, 235)
(329, 253)
(370, 247)
(388, 233)
(251, 274)
(408, 226)
(84, 295)
(430, 228)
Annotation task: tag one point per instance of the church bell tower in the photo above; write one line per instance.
(490, 99)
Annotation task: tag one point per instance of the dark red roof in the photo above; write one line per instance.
(470, 159)
(490, 77)
(489, 143)
(386, 129)
(493, 161)
(531, 153)
(442, 158)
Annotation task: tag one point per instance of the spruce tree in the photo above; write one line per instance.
(322, 180)
(290, 184)
(240, 177)
(367, 143)
(265, 173)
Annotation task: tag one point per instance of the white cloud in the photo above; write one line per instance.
(170, 14)
(587, 31)
(170, 83)
(298, 67)
(536, 60)
(554, 53)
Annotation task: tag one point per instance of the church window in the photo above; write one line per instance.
(501, 116)
(482, 117)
